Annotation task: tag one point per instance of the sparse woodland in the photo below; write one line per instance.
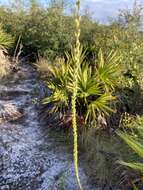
(93, 78)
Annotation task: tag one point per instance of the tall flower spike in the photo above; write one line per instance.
(74, 96)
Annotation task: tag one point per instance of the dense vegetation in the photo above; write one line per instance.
(100, 76)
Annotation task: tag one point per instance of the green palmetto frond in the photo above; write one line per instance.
(133, 143)
(59, 96)
(87, 84)
(135, 166)
(100, 105)
(71, 65)
(59, 100)
(57, 83)
(136, 146)
(109, 69)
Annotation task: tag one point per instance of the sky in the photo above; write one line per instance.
(100, 9)
(103, 9)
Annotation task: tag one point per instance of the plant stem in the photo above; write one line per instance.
(74, 97)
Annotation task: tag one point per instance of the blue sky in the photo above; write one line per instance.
(100, 9)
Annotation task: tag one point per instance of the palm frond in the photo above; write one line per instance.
(109, 69)
(87, 85)
(133, 143)
(100, 105)
(135, 166)
(57, 83)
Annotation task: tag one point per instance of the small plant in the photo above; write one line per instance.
(5, 42)
(134, 139)
(5, 39)
(136, 146)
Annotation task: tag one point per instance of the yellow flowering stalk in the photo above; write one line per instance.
(75, 88)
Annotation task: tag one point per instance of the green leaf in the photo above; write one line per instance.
(135, 166)
(134, 144)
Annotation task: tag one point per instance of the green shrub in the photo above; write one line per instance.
(95, 86)
(44, 31)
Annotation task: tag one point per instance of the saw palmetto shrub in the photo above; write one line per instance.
(95, 90)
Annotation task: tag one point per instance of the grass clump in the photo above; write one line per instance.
(5, 42)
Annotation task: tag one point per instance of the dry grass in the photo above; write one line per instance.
(4, 63)
(42, 65)
(8, 111)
